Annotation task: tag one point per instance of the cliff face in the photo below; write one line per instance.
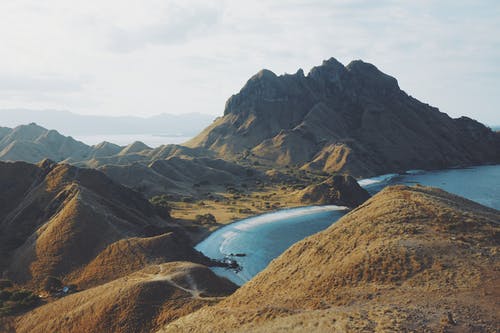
(408, 259)
(352, 119)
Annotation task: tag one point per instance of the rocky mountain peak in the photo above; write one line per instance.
(135, 147)
(263, 74)
(368, 75)
(263, 85)
(330, 70)
(46, 164)
(350, 119)
(26, 132)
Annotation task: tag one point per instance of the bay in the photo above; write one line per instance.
(264, 237)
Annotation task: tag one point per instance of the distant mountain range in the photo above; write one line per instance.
(348, 119)
(165, 169)
(75, 124)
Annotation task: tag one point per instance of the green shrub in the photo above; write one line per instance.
(205, 219)
(52, 284)
(30, 300)
(5, 283)
(5, 295)
(17, 301)
(20, 295)
(161, 205)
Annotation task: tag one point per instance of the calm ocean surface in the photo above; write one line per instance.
(264, 237)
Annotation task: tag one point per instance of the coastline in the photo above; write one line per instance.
(250, 244)
(251, 201)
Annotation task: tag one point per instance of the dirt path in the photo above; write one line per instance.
(193, 289)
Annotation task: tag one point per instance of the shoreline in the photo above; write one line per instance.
(258, 195)
(233, 223)
(250, 244)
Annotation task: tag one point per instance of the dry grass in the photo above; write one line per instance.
(407, 259)
(140, 302)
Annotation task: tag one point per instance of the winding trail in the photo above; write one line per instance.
(193, 289)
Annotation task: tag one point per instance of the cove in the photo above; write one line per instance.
(264, 237)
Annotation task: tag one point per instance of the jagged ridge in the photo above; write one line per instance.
(352, 119)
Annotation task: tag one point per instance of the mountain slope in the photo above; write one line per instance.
(32, 143)
(132, 254)
(139, 302)
(408, 259)
(352, 119)
(172, 169)
(339, 190)
(177, 175)
(55, 219)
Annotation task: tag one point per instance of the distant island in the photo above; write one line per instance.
(74, 124)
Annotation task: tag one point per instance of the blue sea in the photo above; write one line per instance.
(264, 237)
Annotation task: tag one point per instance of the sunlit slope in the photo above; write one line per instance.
(139, 302)
(56, 219)
(410, 258)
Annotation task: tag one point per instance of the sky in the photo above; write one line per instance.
(145, 57)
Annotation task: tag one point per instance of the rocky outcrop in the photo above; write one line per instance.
(342, 190)
(348, 119)
(408, 259)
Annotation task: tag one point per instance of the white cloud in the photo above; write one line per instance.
(151, 56)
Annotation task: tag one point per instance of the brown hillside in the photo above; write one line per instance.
(135, 147)
(177, 175)
(140, 302)
(132, 254)
(409, 259)
(55, 219)
(171, 169)
(340, 190)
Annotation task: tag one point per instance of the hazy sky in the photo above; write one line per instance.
(149, 56)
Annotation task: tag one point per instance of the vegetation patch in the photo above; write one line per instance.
(14, 301)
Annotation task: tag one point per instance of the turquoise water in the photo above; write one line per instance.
(480, 184)
(264, 237)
